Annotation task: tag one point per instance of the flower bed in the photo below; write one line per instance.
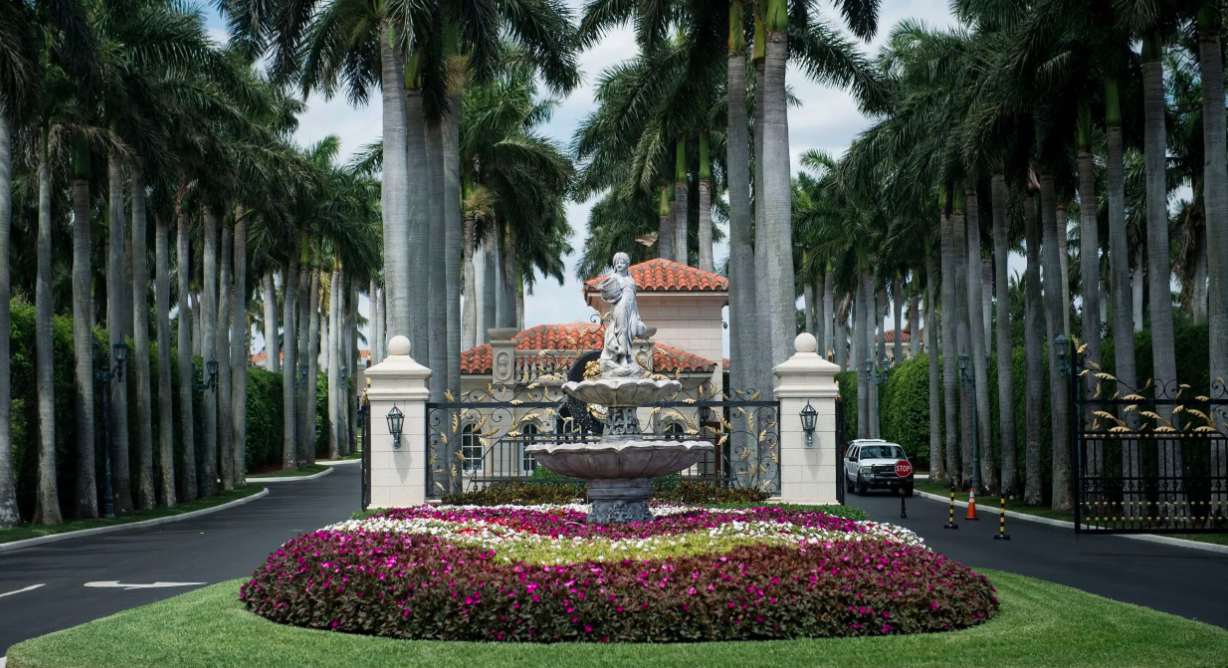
(541, 574)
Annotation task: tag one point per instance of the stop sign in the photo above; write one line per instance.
(903, 469)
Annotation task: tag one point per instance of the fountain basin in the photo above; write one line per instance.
(605, 460)
(619, 472)
(622, 391)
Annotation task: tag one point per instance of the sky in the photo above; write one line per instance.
(827, 119)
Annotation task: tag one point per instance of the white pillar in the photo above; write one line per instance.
(398, 475)
(807, 473)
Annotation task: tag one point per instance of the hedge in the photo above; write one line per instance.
(905, 395)
(264, 412)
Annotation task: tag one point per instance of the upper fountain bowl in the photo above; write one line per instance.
(622, 391)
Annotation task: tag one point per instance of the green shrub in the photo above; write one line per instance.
(264, 412)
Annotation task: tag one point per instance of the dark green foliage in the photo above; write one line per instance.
(905, 398)
(665, 491)
(847, 381)
(264, 422)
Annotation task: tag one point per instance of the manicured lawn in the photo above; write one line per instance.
(310, 469)
(1040, 624)
(36, 530)
(1020, 507)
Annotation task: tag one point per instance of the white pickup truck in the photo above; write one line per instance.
(870, 464)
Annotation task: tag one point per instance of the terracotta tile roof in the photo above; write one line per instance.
(580, 337)
(661, 275)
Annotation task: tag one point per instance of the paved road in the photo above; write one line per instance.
(209, 549)
(1190, 583)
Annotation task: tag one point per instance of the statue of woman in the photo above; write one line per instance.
(624, 324)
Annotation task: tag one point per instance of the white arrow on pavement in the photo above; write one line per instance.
(116, 584)
(19, 591)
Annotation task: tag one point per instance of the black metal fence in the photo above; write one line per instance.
(1149, 461)
(482, 439)
(364, 421)
(841, 448)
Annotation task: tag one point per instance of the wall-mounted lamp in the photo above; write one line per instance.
(396, 419)
(809, 418)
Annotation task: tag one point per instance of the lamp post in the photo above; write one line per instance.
(970, 380)
(809, 418)
(104, 373)
(396, 419)
(207, 383)
(878, 376)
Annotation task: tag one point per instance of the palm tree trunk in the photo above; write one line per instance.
(1215, 208)
(439, 279)
(452, 240)
(1121, 288)
(881, 305)
(963, 335)
(146, 495)
(980, 345)
(1063, 255)
(478, 295)
(762, 353)
(9, 515)
(208, 350)
(1034, 351)
(743, 323)
(509, 280)
(268, 295)
(420, 230)
(861, 319)
(950, 373)
(877, 345)
(665, 225)
(307, 442)
(470, 316)
(840, 344)
(1163, 352)
(938, 469)
(375, 354)
(289, 366)
(1058, 393)
(195, 312)
(350, 407)
(334, 363)
(183, 353)
(682, 213)
(238, 350)
(915, 331)
(1006, 383)
(706, 262)
(313, 362)
(987, 298)
(1138, 281)
(1089, 268)
(777, 190)
(166, 389)
(396, 197)
(490, 286)
(116, 287)
(47, 505)
(897, 317)
(829, 313)
(83, 344)
(222, 347)
(808, 307)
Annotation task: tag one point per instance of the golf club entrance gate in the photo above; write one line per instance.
(1148, 461)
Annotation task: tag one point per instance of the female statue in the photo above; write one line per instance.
(624, 324)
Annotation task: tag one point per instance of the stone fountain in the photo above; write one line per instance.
(620, 465)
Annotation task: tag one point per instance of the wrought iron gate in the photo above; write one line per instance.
(841, 447)
(1148, 461)
(481, 439)
(364, 420)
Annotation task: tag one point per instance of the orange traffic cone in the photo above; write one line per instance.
(971, 514)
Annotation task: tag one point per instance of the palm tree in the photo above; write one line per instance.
(1209, 23)
(1054, 308)
(980, 344)
(1034, 347)
(1006, 384)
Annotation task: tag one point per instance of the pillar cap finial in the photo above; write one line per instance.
(398, 345)
(805, 343)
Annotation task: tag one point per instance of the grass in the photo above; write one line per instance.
(36, 530)
(1040, 624)
(310, 469)
(1040, 511)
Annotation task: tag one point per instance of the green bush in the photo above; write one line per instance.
(264, 412)
(905, 407)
